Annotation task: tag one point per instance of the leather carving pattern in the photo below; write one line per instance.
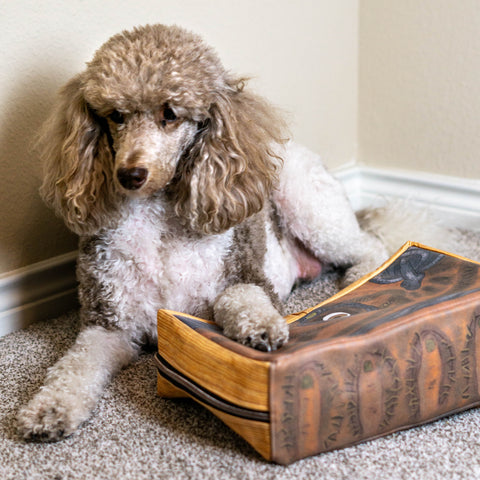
(399, 350)
(408, 353)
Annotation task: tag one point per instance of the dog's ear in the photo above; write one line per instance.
(76, 156)
(231, 167)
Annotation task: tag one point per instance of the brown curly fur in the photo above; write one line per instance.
(224, 175)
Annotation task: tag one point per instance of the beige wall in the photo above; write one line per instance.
(419, 85)
(303, 55)
(382, 82)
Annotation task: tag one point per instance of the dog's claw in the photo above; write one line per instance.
(264, 343)
(264, 347)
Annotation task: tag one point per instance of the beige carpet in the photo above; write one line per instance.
(135, 435)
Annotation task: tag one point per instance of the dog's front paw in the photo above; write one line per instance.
(46, 419)
(247, 315)
(269, 336)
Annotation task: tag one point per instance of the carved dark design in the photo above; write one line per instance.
(409, 268)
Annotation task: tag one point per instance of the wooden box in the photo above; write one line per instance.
(399, 348)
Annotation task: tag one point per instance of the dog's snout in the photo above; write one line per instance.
(132, 178)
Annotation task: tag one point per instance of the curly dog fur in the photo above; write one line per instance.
(185, 196)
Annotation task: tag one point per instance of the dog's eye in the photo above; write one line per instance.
(169, 114)
(166, 116)
(116, 117)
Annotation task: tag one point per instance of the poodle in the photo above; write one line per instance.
(185, 195)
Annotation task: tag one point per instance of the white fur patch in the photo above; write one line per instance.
(159, 266)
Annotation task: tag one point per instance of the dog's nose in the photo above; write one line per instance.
(132, 178)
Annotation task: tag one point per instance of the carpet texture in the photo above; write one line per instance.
(133, 434)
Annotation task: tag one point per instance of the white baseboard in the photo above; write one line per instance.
(48, 289)
(457, 200)
(36, 292)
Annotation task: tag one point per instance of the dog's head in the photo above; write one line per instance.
(155, 110)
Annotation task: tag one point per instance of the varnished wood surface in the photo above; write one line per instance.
(235, 378)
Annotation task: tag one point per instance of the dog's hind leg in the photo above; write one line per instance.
(314, 209)
(75, 383)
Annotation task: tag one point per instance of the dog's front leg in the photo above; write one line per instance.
(246, 314)
(75, 383)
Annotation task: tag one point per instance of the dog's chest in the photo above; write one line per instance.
(171, 269)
